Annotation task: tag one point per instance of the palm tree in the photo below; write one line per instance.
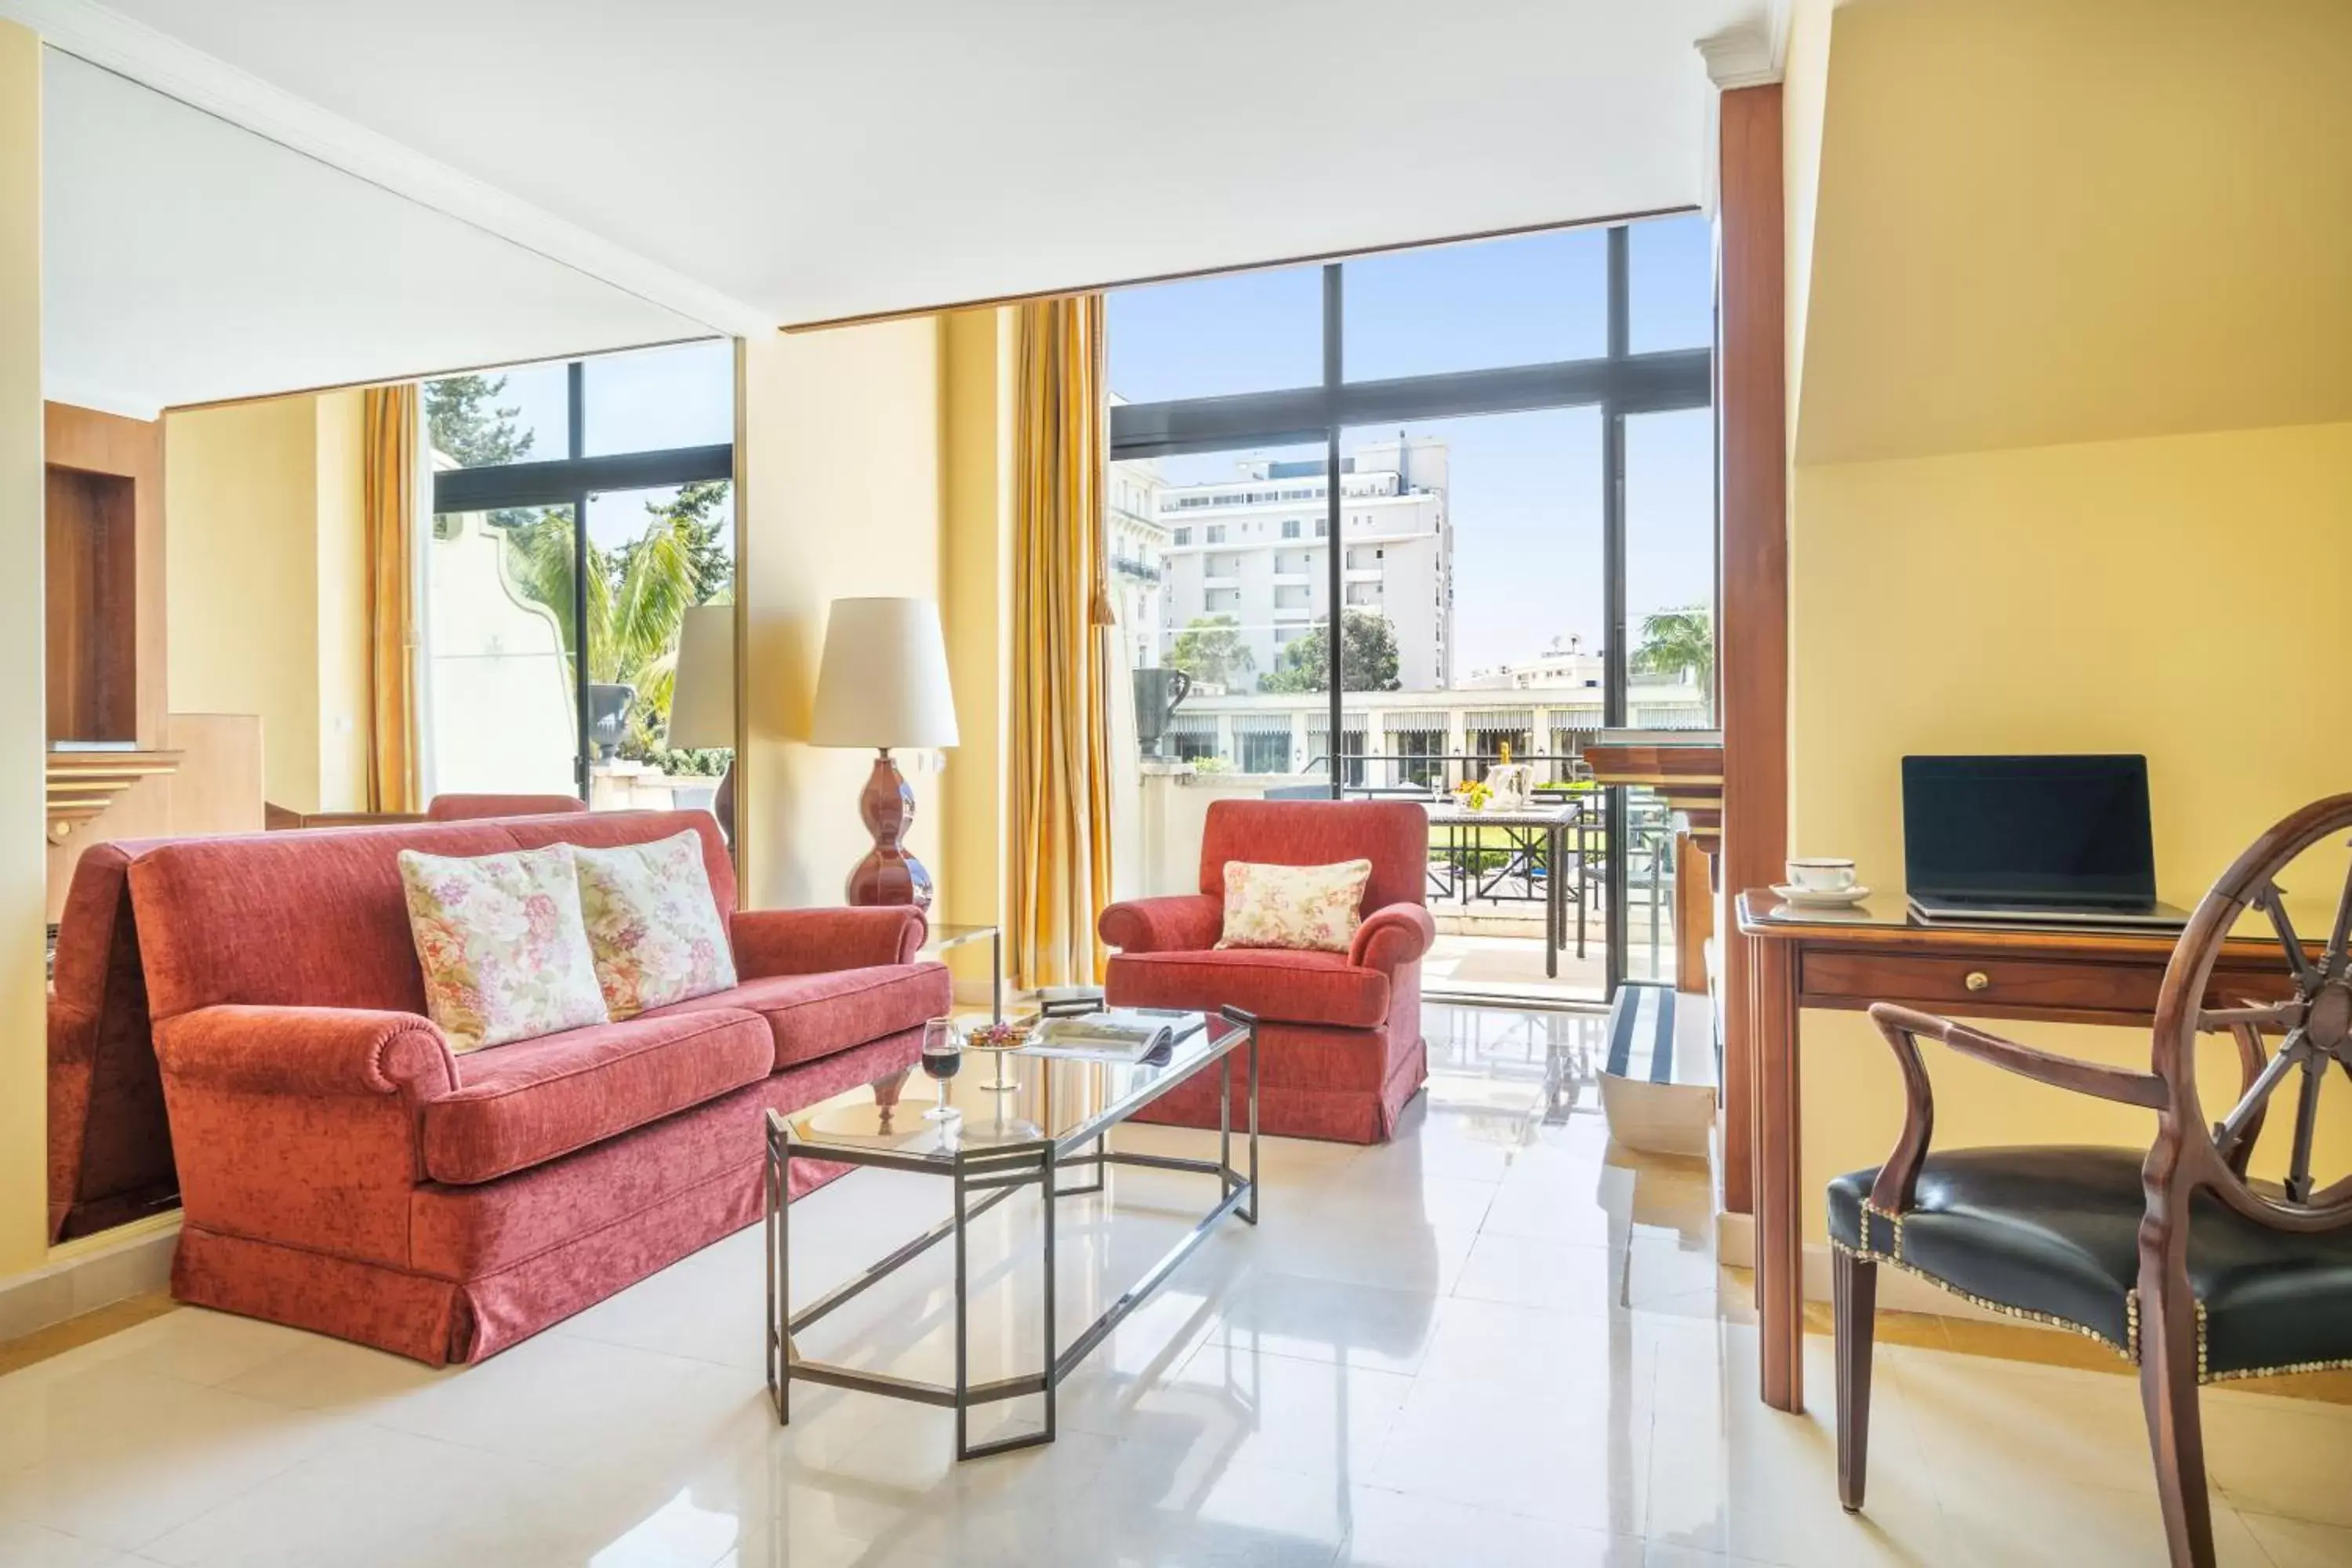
(637, 599)
(1677, 641)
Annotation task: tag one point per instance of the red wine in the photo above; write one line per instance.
(941, 1065)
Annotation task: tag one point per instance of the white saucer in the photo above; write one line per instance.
(1812, 898)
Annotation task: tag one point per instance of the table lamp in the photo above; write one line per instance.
(884, 683)
(702, 697)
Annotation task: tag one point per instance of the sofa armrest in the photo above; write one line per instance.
(1393, 936)
(1186, 923)
(303, 1126)
(306, 1052)
(73, 1034)
(816, 941)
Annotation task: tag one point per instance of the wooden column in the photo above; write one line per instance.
(1751, 395)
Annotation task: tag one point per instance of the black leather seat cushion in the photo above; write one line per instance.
(2056, 1231)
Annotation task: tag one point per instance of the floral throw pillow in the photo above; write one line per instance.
(1312, 908)
(504, 949)
(652, 924)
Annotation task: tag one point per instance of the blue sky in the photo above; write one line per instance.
(680, 396)
(1526, 487)
(1526, 497)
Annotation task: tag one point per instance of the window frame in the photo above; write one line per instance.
(1620, 383)
(570, 480)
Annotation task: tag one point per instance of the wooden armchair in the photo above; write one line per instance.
(2175, 1258)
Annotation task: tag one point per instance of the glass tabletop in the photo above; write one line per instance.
(1065, 1099)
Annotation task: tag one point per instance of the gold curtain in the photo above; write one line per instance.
(1058, 807)
(388, 497)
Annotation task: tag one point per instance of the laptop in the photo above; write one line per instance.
(2060, 840)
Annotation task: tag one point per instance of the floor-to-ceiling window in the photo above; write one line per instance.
(579, 508)
(1490, 467)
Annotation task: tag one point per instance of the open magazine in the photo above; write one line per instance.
(1116, 1035)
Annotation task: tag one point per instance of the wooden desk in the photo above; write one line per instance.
(1852, 959)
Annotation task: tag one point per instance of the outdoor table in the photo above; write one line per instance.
(1522, 826)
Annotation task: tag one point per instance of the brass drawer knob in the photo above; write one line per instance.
(1977, 980)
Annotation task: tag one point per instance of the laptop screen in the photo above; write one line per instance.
(2034, 829)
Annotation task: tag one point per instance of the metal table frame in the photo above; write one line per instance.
(997, 1172)
(1547, 825)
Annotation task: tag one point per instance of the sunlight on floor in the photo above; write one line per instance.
(1496, 1342)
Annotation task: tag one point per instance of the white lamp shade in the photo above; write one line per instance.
(883, 680)
(702, 692)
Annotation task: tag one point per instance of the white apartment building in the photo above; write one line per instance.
(1252, 548)
(1137, 542)
(1564, 664)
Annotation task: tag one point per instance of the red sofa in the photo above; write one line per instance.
(1340, 1036)
(342, 1170)
(110, 1149)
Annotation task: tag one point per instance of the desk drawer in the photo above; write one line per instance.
(1993, 985)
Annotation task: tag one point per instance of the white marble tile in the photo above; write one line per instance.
(1494, 1341)
(25, 1545)
(1325, 1319)
(117, 1457)
(1579, 1463)
(2299, 1543)
(2281, 1457)
(382, 1498)
(194, 1345)
(1552, 1276)
(1403, 1529)
(2064, 1526)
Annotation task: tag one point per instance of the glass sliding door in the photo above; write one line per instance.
(1415, 546)
(1471, 581)
(581, 509)
(653, 555)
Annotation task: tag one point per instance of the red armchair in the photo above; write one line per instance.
(1339, 1035)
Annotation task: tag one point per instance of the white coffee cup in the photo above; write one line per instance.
(1817, 875)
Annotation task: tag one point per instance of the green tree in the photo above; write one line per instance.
(1676, 642)
(1368, 657)
(637, 597)
(466, 423)
(1211, 650)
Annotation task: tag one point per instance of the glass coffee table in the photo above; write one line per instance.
(1056, 1115)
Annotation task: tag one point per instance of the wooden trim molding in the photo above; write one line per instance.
(1751, 402)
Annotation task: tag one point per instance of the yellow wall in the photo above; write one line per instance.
(264, 584)
(2071, 463)
(344, 697)
(976, 418)
(2113, 596)
(842, 471)
(2045, 221)
(23, 1238)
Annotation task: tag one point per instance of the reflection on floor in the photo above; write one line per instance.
(1494, 1343)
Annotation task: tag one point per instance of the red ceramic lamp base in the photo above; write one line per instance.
(888, 874)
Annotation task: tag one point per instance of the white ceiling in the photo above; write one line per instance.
(788, 162)
(186, 261)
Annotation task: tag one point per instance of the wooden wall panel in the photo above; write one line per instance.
(1752, 396)
(92, 448)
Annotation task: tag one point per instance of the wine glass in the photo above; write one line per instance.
(942, 1054)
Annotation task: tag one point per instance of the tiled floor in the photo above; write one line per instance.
(1491, 1344)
